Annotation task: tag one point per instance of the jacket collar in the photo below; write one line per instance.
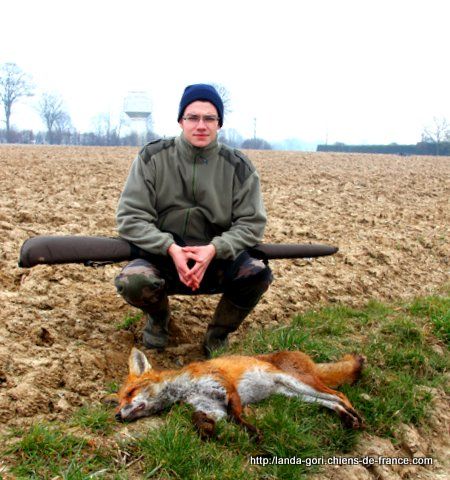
(188, 150)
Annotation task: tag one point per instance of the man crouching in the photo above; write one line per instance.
(195, 206)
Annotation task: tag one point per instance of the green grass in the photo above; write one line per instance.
(176, 451)
(97, 419)
(437, 311)
(47, 451)
(129, 321)
(406, 349)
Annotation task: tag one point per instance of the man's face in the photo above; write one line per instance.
(198, 127)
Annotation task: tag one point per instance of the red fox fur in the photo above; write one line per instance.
(221, 386)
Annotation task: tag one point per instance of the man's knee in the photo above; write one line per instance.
(254, 271)
(140, 283)
(253, 277)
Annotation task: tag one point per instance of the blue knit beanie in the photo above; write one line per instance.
(201, 91)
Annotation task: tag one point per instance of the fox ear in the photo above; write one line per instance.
(138, 363)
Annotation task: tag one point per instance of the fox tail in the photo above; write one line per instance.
(347, 370)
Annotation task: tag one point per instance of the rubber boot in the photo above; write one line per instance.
(156, 330)
(227, 318)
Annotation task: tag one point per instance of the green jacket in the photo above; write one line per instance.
(204, 195)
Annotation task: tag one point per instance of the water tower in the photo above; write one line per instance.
(137, 106)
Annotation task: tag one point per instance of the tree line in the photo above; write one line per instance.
(16, 85)
(435, 141)
(420, 148)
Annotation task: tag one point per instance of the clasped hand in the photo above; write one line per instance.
(201, 255)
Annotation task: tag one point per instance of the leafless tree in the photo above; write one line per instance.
(14, 84)
(64, 131)
(437, 133)
(102, 125)
(64, 122)
(230, 137)
(225, 96)
(106, 132)
(52, 111)
(256, 144)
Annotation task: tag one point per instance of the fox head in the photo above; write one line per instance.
(138, 396)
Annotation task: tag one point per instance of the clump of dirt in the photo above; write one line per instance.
(59, 341)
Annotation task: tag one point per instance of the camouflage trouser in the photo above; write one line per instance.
(146, 284)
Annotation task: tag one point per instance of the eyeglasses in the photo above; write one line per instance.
(208, 119)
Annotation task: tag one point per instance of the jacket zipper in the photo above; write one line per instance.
(186, 220)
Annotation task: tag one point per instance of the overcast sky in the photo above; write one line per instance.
(354, 71)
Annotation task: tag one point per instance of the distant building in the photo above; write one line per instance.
(137, 106)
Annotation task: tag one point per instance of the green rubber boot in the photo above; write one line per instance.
(156, 330)
(227, 318)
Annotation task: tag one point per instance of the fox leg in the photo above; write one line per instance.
(349, 416)
(206, 412)
(317, 380)
(234, 408)
(314, 391)
(343, 404)
(205, 425)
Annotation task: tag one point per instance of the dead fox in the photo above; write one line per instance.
(222, 386)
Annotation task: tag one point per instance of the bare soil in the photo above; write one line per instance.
(59, 342)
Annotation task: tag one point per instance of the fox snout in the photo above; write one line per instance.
(119, 417)
(131, 412)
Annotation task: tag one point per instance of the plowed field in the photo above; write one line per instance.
(59, 341)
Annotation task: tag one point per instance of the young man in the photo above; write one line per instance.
(195, 206)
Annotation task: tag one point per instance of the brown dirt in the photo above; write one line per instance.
(59, 345)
